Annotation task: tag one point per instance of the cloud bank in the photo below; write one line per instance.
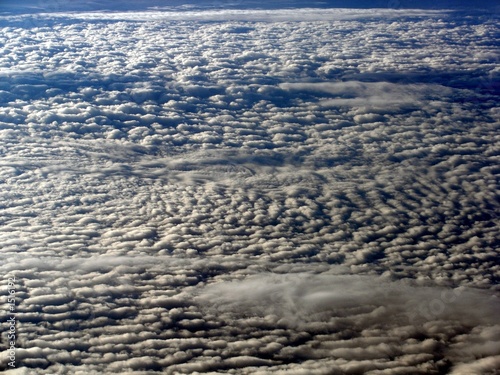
(249, 192)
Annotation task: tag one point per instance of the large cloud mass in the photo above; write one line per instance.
(250, 192)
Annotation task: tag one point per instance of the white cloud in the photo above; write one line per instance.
(252, 15)
(378, 95)
(183, 196)
(299, 296)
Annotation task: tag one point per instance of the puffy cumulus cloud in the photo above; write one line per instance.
(185, 196)
(482, 366)
(145, 314)
(362, 323)
(359, 323)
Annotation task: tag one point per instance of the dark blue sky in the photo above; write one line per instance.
(51, 5)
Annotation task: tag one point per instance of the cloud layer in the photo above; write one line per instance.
(246, 192)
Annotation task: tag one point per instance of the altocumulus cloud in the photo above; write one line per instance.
(234, 191)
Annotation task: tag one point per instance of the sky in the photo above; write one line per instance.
(127, 5)
(227, 189)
